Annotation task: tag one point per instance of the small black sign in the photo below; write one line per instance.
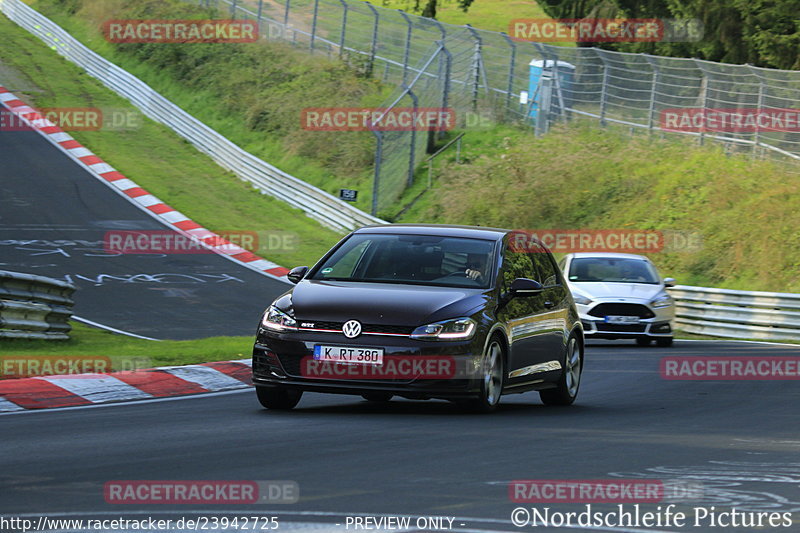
(348, 195)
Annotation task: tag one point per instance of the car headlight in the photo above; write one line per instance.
(663, 301)
(583, 300)
(446, 330)
(277, 320)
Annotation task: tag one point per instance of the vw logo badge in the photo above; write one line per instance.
(351, 329)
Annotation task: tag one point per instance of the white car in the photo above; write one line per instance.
(620, 296)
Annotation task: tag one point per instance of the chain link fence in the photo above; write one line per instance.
(484, 72)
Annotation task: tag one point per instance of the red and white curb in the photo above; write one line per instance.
(132, 192)
(88, 389)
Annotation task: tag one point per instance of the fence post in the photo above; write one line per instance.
(260, 10)
(344, 26)
(704, 100)
(377, 176)
(286, 14)
(413, 147)
(233, 9)
(407, 51)
(654, 85)
(448, 66)
(760, 106)
(314, 24)
(511, 66)
(477, 60)
(603, 90)
(374, 47)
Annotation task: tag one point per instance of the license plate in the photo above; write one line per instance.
(619, 319)
(349, 354)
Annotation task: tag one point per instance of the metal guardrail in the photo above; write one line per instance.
(316, 203)
(742, 314)
(34, 307)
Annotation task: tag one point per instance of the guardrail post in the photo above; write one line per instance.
(344, 27)
(511, 66)
(407, 50)
(374, 47)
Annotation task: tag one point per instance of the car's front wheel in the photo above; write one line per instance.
(278, 398)
(570, 380)
(491, 379)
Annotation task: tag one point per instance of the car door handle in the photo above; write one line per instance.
(548, 304)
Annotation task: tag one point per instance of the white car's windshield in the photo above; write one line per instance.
(612, 270)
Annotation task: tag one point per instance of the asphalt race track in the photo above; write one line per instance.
(53, 218)
(738, 440)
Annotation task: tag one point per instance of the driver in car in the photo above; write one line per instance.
(476, 266)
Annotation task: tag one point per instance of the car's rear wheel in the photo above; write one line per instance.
(664, 342)
(491, 380)
(277, 398)
(570, 380)
(377, 396)
(642, 341)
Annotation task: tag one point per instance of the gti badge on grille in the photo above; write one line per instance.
(351, 329)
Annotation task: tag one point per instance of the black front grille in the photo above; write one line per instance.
(291, 364)
(621, 309)
(365, 328)
(621, 328)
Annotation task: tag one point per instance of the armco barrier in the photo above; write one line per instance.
(34, 307)
(315, 202)
(742, 314)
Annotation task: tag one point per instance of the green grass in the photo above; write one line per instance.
(87, 341)
(157, 159)
(580, 176)
(251, 93)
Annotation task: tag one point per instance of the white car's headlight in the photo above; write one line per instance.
(583, 300)
(446, 330)
(277, 320)
(663, 301)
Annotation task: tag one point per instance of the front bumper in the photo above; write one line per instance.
(656, 323)
(283, 359)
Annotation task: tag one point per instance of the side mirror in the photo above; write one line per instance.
(669, 282)
(524, 287)
(297, 273)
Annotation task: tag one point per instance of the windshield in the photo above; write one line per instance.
(410, 259)
(612, 269)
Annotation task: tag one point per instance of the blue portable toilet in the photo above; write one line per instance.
(542, 78)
